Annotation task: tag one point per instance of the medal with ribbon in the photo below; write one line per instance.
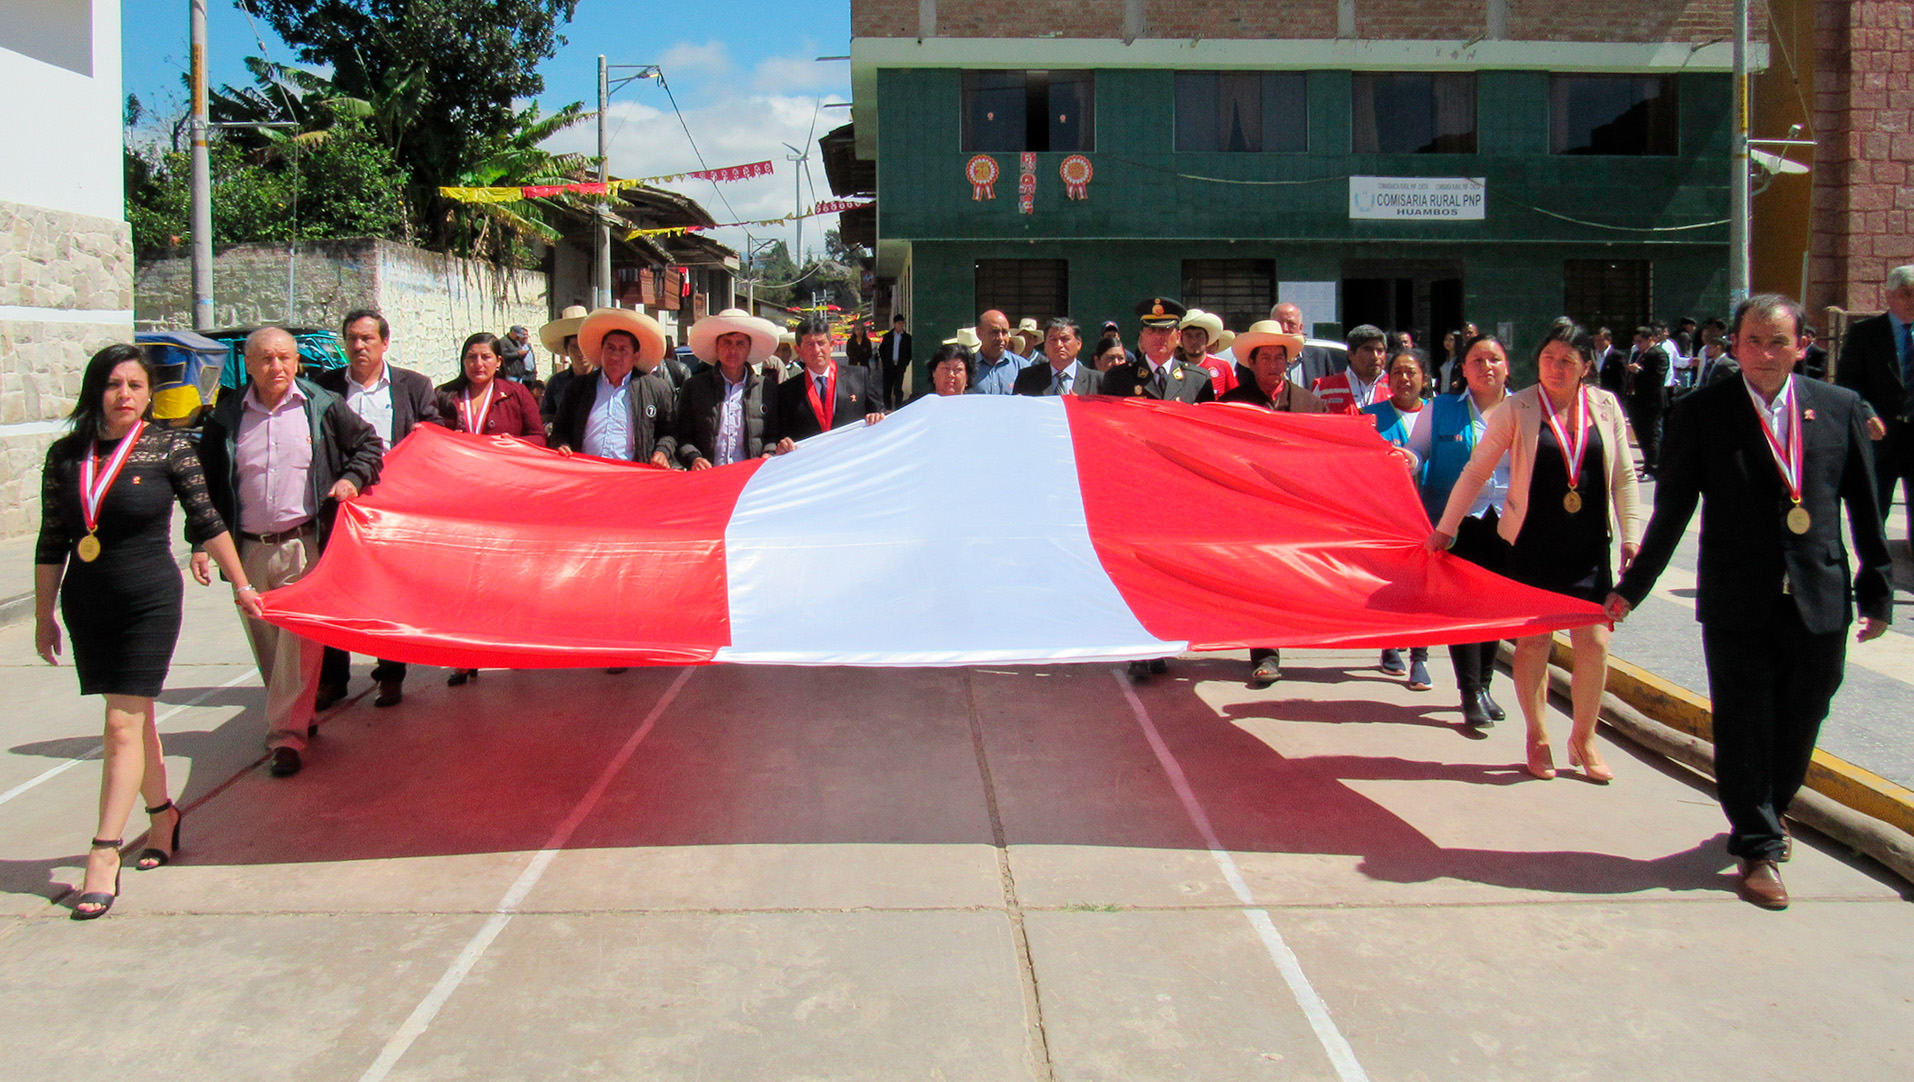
(822, 406)
(94, 481)
(1787, 457)
(1571, 452)
(475, 423)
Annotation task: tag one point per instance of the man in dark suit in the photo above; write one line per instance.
(722, 412)
(393, 401)
(1062, 341)
(1644, 378)
(821, 397)
(1814, 359)
(895, 351)
(1312, 364)
(1157, 373)
(1774, 456)
(1877, 362)
(626, 411)
(1611, 364)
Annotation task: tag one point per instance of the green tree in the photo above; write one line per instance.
(437, 80)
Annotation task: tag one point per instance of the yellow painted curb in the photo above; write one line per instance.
(1684, 711)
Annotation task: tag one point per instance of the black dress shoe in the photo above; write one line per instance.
(391, 693)
(285, 762)
(1472, 713)
(327, 695)
(1138, 672)
(1159, 665)
(1489, 704)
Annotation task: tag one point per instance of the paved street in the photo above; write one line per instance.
(735, 873)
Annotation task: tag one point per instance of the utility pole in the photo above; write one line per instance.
(202, 211)
(601, 294)
(1739, 260)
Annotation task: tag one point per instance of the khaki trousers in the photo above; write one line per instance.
(288, 663)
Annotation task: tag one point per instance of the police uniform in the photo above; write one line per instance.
(1181, 382)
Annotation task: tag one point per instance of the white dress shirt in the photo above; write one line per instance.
(608, 431)
(730, 424)
(373, 403)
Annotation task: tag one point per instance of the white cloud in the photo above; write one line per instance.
(733, 126)
(798, 73)
(686, 59)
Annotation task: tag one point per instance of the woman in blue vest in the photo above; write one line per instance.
(1398, 419)
(1444, 445)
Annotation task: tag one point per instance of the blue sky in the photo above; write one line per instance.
(744, 72)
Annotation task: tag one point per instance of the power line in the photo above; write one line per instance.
(673, 98)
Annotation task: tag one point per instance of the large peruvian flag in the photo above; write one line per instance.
(974, 529)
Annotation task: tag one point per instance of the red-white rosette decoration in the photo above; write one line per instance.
(1076, 173)
(982, 172)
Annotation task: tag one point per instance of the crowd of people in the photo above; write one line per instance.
(1539, 484)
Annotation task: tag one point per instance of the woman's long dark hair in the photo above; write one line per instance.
(1569, 333)
(89, 411)
(459, 383)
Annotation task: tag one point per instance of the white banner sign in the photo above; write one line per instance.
(1455, 198)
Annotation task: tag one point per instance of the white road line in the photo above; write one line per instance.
(421, 1018)
(1340, 1054)
(90, 756)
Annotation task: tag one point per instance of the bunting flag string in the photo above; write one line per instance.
(834, 206)
(601, 188)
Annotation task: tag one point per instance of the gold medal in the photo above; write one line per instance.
(1572, 502)
(88, 550)
(1798, 519)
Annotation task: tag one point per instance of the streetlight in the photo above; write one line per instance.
(601, 293)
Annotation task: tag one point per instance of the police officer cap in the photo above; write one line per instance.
(1160, 312)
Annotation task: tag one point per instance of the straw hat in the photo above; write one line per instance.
(1209, 321)
(967, 338)
(706, 332)
(651, 337)
(553, 334)
(1225, 342)
(1267, 332)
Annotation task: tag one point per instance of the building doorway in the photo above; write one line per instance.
(1421, 296)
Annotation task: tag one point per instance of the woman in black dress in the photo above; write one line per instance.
(1571, 482)
(107, 497)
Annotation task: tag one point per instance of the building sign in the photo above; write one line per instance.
(1400, 198)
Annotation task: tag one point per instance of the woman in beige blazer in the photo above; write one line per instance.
(1558, 522)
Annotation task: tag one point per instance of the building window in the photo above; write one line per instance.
(1612, 293)
(1414, 114)
(1239, 290)
(1010, 111)
(1036, 289)
(1612, 114)
(1241, 111)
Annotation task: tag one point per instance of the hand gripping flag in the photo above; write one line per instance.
(963, 530)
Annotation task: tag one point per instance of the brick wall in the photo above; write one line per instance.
(1527, 20)
(1864, 121)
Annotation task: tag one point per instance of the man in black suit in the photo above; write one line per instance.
(393, 401)
(722, 412)
(1157, 373)
(1312, 364)
(1814, 359)
(821, 397)
(1877, 362)
(895, 351)
(1611, 364)
(1774, 456)
(1644, 379)
(1062, 341)
(626, 411)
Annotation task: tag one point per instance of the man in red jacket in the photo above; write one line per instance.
(1362, 385)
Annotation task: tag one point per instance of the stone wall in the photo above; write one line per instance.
(432, 301)
(66, 289)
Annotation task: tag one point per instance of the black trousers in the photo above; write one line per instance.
(1477, 542)
(1771, 687)
(1645, 418)
(336, 668)
(1894, 464)
(894, 383)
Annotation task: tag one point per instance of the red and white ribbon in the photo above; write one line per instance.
(1571, 454)
(94, 481)
(1787, 456)
(475, 424)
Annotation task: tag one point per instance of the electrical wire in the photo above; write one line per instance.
(673, 98)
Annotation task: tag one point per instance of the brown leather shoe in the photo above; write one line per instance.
(391, 693)
(1761, 884)
(1787, 844)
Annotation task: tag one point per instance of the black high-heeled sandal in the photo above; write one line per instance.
(460, 676)
(150, 857)
(99, 897)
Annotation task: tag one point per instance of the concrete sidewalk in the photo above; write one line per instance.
(759, 873)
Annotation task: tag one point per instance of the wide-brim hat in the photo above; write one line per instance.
(1159, 312)
(706, 332)
(967, 338)
(1209, 321)
(651, 336)
(553, 334)
(1223, 342)
(1267, 332)
(1028, 325)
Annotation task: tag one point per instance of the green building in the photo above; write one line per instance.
(1414, 184)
